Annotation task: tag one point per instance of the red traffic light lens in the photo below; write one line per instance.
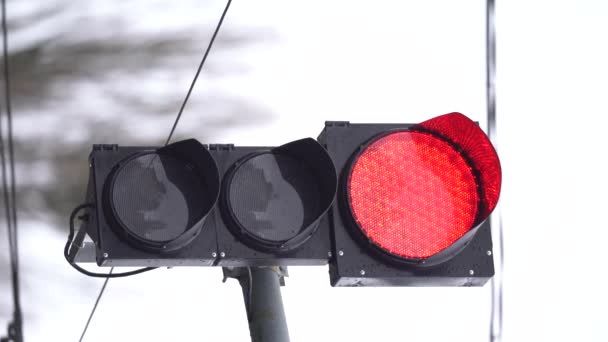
(473, 143)
(417, 193)
(412, 194)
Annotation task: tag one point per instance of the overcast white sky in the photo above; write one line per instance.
(390, 61)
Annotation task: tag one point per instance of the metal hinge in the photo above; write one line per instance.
(337, 123)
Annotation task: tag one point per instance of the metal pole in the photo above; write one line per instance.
(262, 294)
(267, 322)
(496, 219)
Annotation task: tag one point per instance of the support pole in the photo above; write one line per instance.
(262, 294)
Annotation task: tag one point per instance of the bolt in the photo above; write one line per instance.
(489, 253)
(222, 254)
(471, 272)
(105, 255)
(362, 272)
(213, 255)
(329, 254)
(340, 253)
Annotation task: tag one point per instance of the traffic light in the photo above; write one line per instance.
(153, 206)
(382, 204)
(273, 202)
(412, 202)
(167, 206)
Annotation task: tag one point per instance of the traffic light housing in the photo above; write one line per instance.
(382, 204)
(161, 206)
(272, 203)
(412, 202)
(153, 206)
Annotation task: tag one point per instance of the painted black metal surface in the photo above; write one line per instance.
(128, 232)
(269, 218)
(290, 206)
(126, 243)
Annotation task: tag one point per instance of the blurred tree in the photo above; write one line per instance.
(110, 72)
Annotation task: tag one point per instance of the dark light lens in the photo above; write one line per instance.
(157, 197)
(274, 196)
(412, 194)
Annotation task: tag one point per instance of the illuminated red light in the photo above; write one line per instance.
(474, 143)
(414, 193)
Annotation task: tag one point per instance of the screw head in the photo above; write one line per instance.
(362, 272)
(222, 254)
(105, 255)
(340, 253)
(213, 255)
(471, 272)
(489, 253)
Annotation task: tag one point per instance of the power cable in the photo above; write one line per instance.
(179, 114)
(68, 245)
(15, 329)
(200, 67)
(9, 114)
(103, 288)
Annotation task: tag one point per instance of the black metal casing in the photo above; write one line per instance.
(356, 262)
(219, 242)
(112, 249)
(330, 237)
(236, 248)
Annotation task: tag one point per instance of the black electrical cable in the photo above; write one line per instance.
(77, 209)
(15, 332)
(11, 239)
(200, 67)
(496, 312)
(107, 276)
(9, 114)
(68, 244)
(103, 288)
(179, 114)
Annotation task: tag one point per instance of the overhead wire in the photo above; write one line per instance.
(9, 114)
(15, 329)
(103, 288)
(198, 71)
(179, 114)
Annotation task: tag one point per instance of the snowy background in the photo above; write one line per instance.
(117, 71)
